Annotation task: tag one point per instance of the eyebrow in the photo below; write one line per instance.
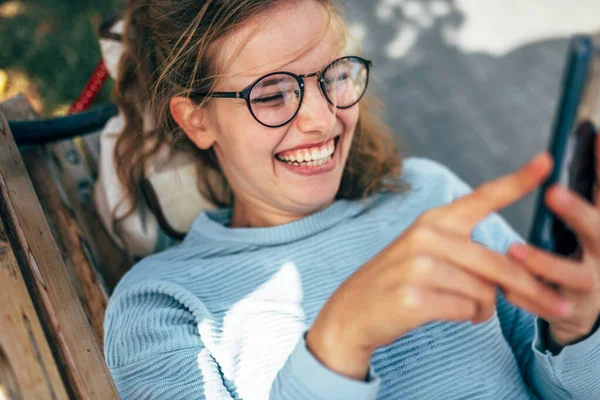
(275, 81)
(272, 81)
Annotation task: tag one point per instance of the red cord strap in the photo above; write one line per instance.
(91, 89)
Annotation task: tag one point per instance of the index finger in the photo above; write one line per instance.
(463, 214)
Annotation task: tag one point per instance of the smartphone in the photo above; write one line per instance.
(572, 143)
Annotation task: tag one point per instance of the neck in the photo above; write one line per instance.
(247, 215)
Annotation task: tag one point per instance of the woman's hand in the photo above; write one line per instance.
(433, 271)
(577, 279)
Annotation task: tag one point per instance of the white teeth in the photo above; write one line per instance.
(315, 163)
(314, 157)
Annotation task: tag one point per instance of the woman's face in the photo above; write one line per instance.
(268, 190)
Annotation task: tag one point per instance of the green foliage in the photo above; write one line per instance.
(55, 43)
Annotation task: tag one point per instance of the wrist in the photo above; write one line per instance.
(559, 338)
(337, 352)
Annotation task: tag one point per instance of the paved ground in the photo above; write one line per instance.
(483, 113)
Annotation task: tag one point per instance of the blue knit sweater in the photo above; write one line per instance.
(222, 315)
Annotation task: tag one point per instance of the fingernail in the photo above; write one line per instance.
(561, 195)
(564, 307)
(534, 160)
(518, 251)
(538, 157)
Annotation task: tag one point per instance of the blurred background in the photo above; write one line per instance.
(49, 48)
(472, 84)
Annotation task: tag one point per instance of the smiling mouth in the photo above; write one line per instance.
(310, 157)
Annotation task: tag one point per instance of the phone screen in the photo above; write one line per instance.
(577, 172)
(572, 144)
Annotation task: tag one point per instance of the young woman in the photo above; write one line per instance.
(332, 269)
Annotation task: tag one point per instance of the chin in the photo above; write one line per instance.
(314, 186)
(312, 199)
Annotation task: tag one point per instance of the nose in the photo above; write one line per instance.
(316, 115)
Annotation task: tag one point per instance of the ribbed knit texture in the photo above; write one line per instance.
(223, 315)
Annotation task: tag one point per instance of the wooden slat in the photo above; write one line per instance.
(27, 367)
(80, 357)
(76, 181)
(76, 164)
(18, 109)
(70, 239)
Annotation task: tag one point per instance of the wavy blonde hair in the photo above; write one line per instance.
(170, 50)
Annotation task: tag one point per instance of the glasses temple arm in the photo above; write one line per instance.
(224, 95)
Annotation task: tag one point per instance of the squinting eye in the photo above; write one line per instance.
(340, 78)
(278, 97)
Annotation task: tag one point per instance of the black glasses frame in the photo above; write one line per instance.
(245, 93)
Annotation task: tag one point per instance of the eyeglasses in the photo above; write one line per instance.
(275, 99)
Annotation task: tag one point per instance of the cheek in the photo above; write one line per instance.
(243, 143)
(349, 120)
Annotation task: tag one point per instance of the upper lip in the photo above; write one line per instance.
(309, 145)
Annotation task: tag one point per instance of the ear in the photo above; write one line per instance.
(193, 120)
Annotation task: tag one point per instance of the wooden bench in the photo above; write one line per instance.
(57, 267)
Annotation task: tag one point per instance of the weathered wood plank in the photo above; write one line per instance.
(80, 357)
(76, 181)
(70, 239)
(18, 109)
(27, 367)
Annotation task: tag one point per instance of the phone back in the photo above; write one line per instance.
(573, 136)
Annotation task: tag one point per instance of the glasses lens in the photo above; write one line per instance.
(345, 82)
(275, 99)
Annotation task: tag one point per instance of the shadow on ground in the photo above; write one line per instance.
(479, 114)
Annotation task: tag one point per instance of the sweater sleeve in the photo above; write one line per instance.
(153, 348)
(571, 374)
(304, 378)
